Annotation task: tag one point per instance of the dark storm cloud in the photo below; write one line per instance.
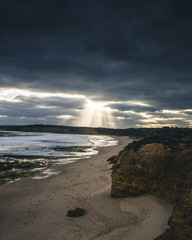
(131, 107)
(107, 50)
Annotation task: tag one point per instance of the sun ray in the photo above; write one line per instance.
(96, 114)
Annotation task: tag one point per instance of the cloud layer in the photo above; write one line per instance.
(106, 51)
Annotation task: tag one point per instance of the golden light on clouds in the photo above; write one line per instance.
(11, 94)
(132, 103)
(65, 117)
(80, 110)
(96, 114)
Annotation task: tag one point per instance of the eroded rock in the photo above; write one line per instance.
(156, 168)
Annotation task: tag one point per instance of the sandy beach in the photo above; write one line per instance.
(36, 209)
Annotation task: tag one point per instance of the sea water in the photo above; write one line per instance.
(48, 146)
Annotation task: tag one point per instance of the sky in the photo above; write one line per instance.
(96, 63)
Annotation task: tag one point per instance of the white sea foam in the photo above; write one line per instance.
(43, 145)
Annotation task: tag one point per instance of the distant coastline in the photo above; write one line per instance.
(131, 132)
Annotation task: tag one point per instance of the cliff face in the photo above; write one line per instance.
(157, 168)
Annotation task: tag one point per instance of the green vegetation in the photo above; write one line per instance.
(10, 176)
(72, 149)
(9, 165)
(12, 157)
(11, 170)
(18, 166)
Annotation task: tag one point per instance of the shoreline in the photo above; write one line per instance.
(36, 209)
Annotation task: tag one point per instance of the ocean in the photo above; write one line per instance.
(49, 148)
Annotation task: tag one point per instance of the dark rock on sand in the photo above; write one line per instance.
(78, 212)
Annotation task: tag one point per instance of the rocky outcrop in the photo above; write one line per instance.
(162, 169)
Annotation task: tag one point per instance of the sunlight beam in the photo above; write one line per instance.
(96, 114)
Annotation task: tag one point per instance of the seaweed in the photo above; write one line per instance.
(11, 176)
(72, 148)
(11, 170)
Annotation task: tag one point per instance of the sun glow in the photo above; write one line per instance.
(97, 105)
(96, 114)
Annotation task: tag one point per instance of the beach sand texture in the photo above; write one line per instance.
(36, 209)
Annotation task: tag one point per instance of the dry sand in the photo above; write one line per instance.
(36, 209)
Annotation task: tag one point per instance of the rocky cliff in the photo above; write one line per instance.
(161, 165)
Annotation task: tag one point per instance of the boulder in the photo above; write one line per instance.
(78, 212)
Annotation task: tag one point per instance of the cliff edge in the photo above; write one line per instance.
(162, 165)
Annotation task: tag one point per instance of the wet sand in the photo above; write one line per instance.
(36, 209)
